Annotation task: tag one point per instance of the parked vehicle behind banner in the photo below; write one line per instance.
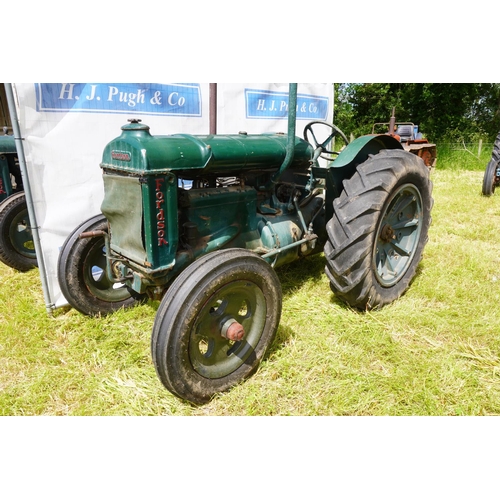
(17, 249)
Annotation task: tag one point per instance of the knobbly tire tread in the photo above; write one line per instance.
(489, 174)
(169, 344)
(10, 208)
(351, 230)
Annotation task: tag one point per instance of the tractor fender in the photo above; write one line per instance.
(344, 166)
(358, 150)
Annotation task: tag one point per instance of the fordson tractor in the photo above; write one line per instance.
(17, 249)
(202, 222)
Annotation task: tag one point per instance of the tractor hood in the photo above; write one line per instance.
(137, 151)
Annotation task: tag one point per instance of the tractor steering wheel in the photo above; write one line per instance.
(320, 147)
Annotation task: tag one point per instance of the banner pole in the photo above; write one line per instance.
(27, 191)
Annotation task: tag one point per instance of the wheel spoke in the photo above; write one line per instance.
(385, 263)
(96, 277)
(21, 236)
(316, 143)
(400, 249)
(327, 140)
(406, 224)
(402, 203)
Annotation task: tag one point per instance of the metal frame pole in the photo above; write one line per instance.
(27, 191)
(213, 108)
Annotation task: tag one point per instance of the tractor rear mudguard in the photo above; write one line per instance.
(344, 166)
(358, 150)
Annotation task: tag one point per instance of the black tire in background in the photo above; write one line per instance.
(192, 355)
(379, 229)
(490, 179)
(17, 248)
(81, 273)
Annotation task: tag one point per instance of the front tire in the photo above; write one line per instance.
(221, 290)
(491, 180)
(17, 249)
(379, 229)
(81, 272)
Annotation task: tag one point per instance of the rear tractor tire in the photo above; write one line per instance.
(379, 229)
(491, 178)
(215, 324)
(81, 271)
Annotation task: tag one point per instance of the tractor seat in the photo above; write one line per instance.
(405, 132)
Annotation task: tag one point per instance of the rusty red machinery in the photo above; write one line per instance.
(412, 141)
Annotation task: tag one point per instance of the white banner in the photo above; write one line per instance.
(65, 127)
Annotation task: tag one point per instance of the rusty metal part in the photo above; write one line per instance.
(392, 121)
(424, 150)
(232, 330)
(387, 233)
(92, 234)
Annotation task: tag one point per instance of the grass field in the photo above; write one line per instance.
(435, 351)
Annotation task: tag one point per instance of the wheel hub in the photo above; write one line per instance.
(387, 233)
(232, 330)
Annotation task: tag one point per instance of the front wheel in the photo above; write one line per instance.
(215, 324)
(17, 248)
(81, 272)
(379, 229)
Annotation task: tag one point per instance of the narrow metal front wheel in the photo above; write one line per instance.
(215, 324)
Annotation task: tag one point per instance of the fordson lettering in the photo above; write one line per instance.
(2, 191)
(120, 155)
(160, 213)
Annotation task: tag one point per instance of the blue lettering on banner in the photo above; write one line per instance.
(268, 104)
(180, 99)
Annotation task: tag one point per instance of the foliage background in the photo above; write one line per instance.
(445, 112)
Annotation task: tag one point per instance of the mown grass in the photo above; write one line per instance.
(435, 351)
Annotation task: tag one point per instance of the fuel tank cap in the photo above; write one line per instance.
(135, 124)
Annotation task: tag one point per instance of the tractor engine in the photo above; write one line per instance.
(170, 199)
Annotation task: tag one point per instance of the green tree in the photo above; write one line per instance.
(443, 111)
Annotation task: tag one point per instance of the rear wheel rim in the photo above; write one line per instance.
(398, 235)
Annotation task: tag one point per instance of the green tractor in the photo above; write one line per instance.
(17, 249)
(491, 177)
(202, 222)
